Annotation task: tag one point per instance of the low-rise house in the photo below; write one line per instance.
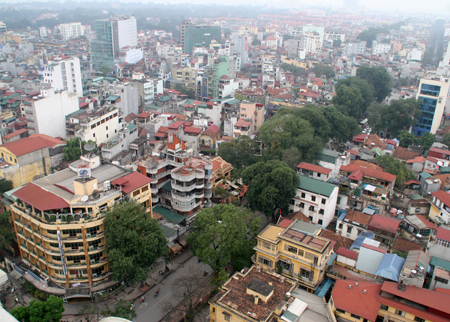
(314, 171)
(251, 295)
(333, 160)
(440, 208)
(418, 227)
(350, 224)
(428, 183)
(417, 164)
(440, 270)
(316, 199)
(385, 228)
(415, 268)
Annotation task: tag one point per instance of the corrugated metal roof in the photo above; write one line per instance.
(316, 186)
(390, 266)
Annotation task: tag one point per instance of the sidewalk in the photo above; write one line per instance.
(128, 293)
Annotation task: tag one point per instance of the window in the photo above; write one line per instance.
(302, 205)
(264, 261)
(355, 316)
(303, 195)
(72, 232)
(93, 135)
(341, 225)
(318, 175)
(313, 198)
(135, 193)
(340, 311)
(75, 259)
(291, 249)
(401, 313)
(349, 229)
(440, 279)
(324, 201)
(106, 128)
(417, 319)
(320, 222)
(144, 188)
(384, 307)
(226, 316)
(321, 211)
(286, 266)
(107, 135)
(213, 310)
(311, 208)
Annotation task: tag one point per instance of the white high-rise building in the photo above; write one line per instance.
(127, 32)
(71, 30)
(239, 45)
(46, 112)
(310, 42)
(64, 73)
(43, 32)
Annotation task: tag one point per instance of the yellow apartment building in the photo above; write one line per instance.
(297, 249)
(59, 221)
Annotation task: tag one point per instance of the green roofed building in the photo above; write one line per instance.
(316, 199)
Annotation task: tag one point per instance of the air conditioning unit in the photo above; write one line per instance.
(91, 247)
(94, 275)
(88, 235)
(92, 261)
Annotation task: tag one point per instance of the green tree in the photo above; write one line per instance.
(343, 127)
(427, 140)
(446, 139)
(328, 71)
(221, 232)
(5, 185)
(337, 43)
(106, 69)
(186, 91)
(240, 152)
(366, 89)
(292, 157)
(7, 234)
(256, 42)
(314, 115)
(121, 310)
(349, 101)
(134, 241)
(286, 130)
(296, 71)
(49, 311)
(397, 116)
(370, 35)
(72, 150)
(406, 139)
(271, 184)
(241, 97)
(379, 78)
(395, 167)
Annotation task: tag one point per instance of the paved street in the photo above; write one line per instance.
(150, 310)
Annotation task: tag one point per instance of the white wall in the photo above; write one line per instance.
(101, 132)
(49, 112)
(346, 261)
(127, 29)
(69, 68)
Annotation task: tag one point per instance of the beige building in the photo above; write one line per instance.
(253, 112)
(187, 76)
(59, 223)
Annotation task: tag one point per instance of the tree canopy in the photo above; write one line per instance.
(395, 167)
(427, 140)
(72, 150)
(342, 127)
(7, 234)
(271, 185)
(134, 241)
(370, 35)
(49, 311)
(406, 139)
(379, 78)
(296, 71)
(121, 310)
(240, 152)
(366, 89)
(221, 232)
(187, 91)
(5, 185)
(446, 139)
(328, 71)
(397, 116)
(349, 101)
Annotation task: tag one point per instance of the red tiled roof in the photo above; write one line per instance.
(24, 146)
(440, 151)
(15, 133)
(143, 115)
(419, 159)
(356, 175)
(163, 129)
(160, 135)
(176, 125)
(431, 299)
(411, 182)
(442, 196)
(384, 223)
(132, 181)
(404, 154)
(353, 300)
(375, 248)
(347, 253)
(377, 174)
(366, 164)
(130, 117)
(39, 198)
(48, 140)
(427, 223)
(353, 152)
(242, 123)
(285, 223)
(443, 234)
(405, 245)
(410, 309)
(360, 138)
(313, 167)
(192, 130)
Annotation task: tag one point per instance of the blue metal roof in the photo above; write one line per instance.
(330, 262)
(390, 266)
(342, 214)
(324, 287)
(360, 239)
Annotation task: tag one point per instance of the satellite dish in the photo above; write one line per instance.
(95, 194)
(84, 198)
(89, 146)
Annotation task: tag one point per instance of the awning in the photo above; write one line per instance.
(330, 262)
(324, 287)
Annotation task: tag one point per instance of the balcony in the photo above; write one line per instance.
(178, 186)
(187, 198)
(185, 208)
(183, 177)
(199, 194)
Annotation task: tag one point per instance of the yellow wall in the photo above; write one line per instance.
(391, 312)
(25, 174)
(216, 315)
(294, 63)
(433, 212)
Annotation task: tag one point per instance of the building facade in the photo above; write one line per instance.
(71, 30)
(64, 73)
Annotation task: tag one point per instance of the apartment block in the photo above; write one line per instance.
(71, 30)
(64, 73)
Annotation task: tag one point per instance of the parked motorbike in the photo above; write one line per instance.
(157, 292)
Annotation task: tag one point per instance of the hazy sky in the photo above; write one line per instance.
(437, 6)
